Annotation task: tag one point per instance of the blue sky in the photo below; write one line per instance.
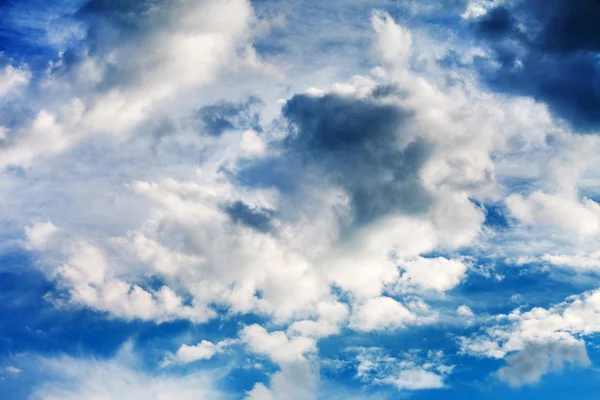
(285, 200)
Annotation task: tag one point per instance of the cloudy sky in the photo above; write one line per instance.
(299, 200)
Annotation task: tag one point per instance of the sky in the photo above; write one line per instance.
(299, 200)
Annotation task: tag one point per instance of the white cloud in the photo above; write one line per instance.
(187, 45)
(557, 212)
(69, 378)
(204, 350)
(415, 378)
(438, 274)
(465, 312)
(584, 262)
(277, 345)
(39, 234)
(381, 313)
(92, 282)
(12, 80)
(293, 382)
(409, 372)
(393, 43)
(331, 315)
(13, 370)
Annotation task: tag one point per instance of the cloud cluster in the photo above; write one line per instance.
(158, 198)
(547, 50)
(540, 340)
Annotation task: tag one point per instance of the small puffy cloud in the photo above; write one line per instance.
(556, 212)
(12, 79)
(465, 312)
(416, 378)
(577, 261)
(277, 345)
(381, 313)
(204, 350)
(93, 282)
(295, 381)
(13, 370)
(39, 234)
(331, 315)
(439, 274)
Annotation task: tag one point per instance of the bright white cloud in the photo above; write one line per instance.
(277, 345)
(558, 212)
(433, 273)
(584, 262)
(381, 313)
(205, 350)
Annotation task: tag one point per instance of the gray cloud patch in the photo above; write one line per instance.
(360, 144)
(547, 49)
(535, 360)
(219, 117)
(257, 218)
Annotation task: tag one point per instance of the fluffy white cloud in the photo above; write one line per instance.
(331, 315)
(293, 382)
(584, 262)
(558, 212)
(386, 313)
(92, 282)
(540, 340)
(204, 350)
(433, 273)
(415, 378)
(179, 48)
(277, 345)
(39, 234)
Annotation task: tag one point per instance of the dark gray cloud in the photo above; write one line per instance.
(355, 143)
(219, 117)
(257, 218)
(547, 49)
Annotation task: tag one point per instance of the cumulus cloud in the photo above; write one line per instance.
(277, 345)
(384, 312)
(204, 350)
(555, 211)
(546, 50)
(115, 80)
(313, 219)
(433, 273)
(540, 340)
